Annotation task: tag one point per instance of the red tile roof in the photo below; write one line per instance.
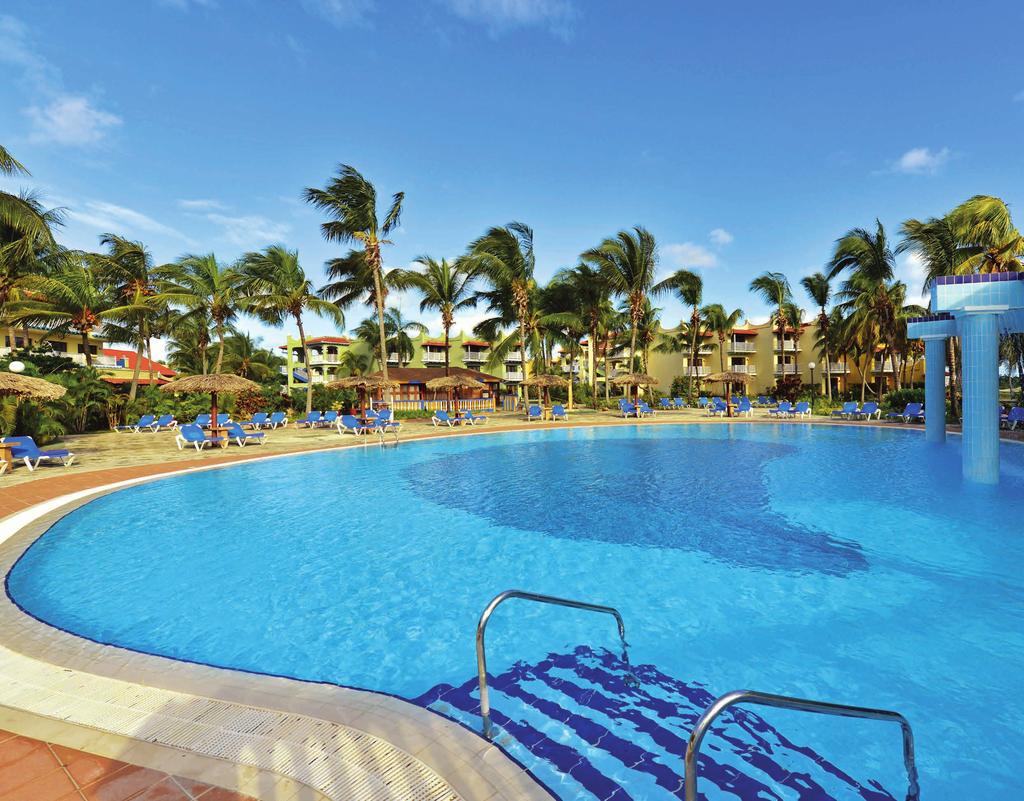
(434, 343)
(476, 343)
(329, 341)
(129, 362)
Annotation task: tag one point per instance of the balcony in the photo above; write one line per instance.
(514, 357)
(474, 356)
(742, 347)
(392, 358)
(98, 361)
(838, 368)
(698, 372)
(513, 376)
(748, 369)
(430, 357)
(324, 358)
(705, 350)
(788, 346)
(786, 369)
(878, 367)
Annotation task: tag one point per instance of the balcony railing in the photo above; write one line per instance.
(475, 356)
(511, 376)
(879, 367)
(749, 369)
(697, 372)
(514, 356)
(788, 347)
(787, 369)
(705, 350)
(324, 358)
(743, 347)
(838, 368)
(433, 358)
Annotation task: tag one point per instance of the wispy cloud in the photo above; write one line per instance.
(342, 13)
(558, 16)
(58, 115)
(185, 5)
(201, 204)
(922, 161)
(110, 218)
(688, 255)
(1019, 97)
(250, 230)
(720, 237)
(911, 271)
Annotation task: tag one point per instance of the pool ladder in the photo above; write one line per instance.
(712, 712)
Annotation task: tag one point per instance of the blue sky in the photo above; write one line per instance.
(747, 136)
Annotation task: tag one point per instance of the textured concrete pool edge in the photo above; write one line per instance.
(280, 739)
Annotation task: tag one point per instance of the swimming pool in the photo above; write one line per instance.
(845, 563)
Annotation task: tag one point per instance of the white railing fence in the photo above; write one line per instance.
(507, 403)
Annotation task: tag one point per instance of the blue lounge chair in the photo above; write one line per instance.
(347, 424)
(202, 420)
(534, 413)
(784, 409)
(144, 422)
(329, 419)
(627, 409)
(645, 409)
(277, 419)
(473, 419)
(869, 410)
(849, 410)
(558, 412)
(744, 407)
(702, 402)
(762, 401)
(386, 419)
(441, 417)
(309, 420)
(26, 450)
(223, 419)
(191, 434)
(716, 407)
(665, 403)
(240, 437)
(678, 402)
(802, 409)
(164, 421)
(1014, 418)
(912, 411)
(256, 422)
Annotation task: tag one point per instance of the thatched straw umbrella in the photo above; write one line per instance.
(454, 383)
(212, 383)
(728, 378)
(546, 382)
(635, 380)
(25, 386)
(365, 384)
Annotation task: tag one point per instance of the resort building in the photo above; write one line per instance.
(325, 361)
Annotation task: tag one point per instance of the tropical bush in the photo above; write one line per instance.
(684, 387)
(896, 400)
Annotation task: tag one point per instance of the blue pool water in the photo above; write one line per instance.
(845, 563)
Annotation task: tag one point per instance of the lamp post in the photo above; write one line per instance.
(811, 366)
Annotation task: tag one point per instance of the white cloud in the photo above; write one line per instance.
(250, 231)
(911, 271)
(922, 161)
(58, 116)
(185, 5)
(70, 120)
(341, 13)
(201, 204)
(688, 255)
(720, 237)
(111, 218)
(499, 15)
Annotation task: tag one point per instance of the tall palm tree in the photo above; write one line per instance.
(203, 288)
(628, 263)
(10, 165)
(243, 356)
(773, 288)
(189, 343)
(987, 240)
(396, 336)
(592, 303)
(504, 258)
(127, 268)
(72, 299)
(275, 288)
(720, 323)
(444, 287)
(688, 287)
(819, 290)
(351, 202)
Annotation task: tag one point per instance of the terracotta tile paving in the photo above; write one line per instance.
(31, 770)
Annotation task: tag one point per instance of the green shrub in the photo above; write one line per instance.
(897, 399)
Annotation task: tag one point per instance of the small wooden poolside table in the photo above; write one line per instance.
(7, 454)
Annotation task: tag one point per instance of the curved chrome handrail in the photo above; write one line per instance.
(481, 628)
(801, 705)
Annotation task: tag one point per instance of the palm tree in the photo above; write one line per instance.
(592, 303)
(356, 362)
(444, 287)
(987, 241)
(398, 331)
(275, 288)
(189, 343)
(351, 203)
(72, 300)
(628, 263)
(127, 268)
(720, 323)
(819, 289)
(504, 258)
(688, 287)
(773, 289)
(243, 356)
(203, 288)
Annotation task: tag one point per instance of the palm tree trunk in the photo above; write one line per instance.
(592, 364)
(149, 358)
(220, 349)
(88, 350)
(309, 377)
(572, 362)
(447, 364)
(134, 388)
(522, 357)
(695, 328)
(607, 389)
(378, 285)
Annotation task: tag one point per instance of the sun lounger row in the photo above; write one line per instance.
(1013, 418)
(381, 422)
(638, 410)
(26, 451)
(442, 418)
(854, 411)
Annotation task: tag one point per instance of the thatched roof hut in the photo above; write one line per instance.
(25, 386)
(212, 383)
(454, 382)
(634, 380)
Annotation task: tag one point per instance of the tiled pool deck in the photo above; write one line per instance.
(273, 739)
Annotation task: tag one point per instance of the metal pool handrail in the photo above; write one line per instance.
(800, 705)
(481, 628)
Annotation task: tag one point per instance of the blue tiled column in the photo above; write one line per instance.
(935, 389)
(979, 335)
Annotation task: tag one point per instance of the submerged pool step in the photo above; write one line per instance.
(582, 728)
